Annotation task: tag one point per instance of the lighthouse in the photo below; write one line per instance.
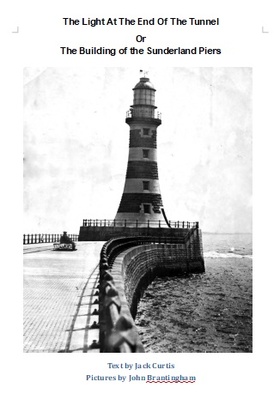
(141, 201)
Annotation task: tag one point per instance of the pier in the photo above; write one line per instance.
(86, 300)
(60, 299)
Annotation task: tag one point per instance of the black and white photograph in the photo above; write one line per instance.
(137, 210)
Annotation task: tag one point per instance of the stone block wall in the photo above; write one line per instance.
(142, 264)
(138, 140)
(127, 278)
(131, 202)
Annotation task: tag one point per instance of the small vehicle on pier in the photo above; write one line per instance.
(65, 244)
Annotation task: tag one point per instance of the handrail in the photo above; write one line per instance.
(131, 114)
(35, 238)
(123, 223)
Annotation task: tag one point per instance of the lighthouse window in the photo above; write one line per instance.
(145, 153)
(146, 131)
(144, 96)
(147, 208)
(146, 185)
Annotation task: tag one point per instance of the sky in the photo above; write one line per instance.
(75, 142)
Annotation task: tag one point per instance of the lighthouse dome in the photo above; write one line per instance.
(144, 84)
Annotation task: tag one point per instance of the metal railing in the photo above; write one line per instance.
(35, 238)
(123, 223)
(131, 113)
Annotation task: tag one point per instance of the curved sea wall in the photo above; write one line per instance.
(124, 275)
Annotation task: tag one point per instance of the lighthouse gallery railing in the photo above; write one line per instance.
(131, 224)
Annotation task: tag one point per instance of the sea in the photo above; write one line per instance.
(202, 313)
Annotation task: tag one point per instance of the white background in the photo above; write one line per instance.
(41, 33)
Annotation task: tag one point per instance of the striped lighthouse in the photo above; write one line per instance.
(141, 201)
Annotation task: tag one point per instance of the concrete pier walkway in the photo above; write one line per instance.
(60, 302)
